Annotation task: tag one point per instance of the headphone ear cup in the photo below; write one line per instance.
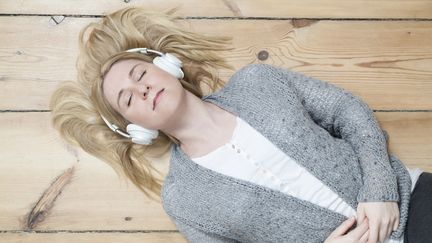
(170, 64)
(141, 135)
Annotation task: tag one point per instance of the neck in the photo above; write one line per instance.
(197, 123)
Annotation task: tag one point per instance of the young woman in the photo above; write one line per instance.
(272, 156)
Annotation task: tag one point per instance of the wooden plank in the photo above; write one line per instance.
(410, 137)
(386, 63)
(236, 8)
(95, 199)
(91, 237)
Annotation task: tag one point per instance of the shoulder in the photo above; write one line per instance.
(255, 74)
(264, 68)
(264, 75)
(263, 71)
(253, 79)
(254, 69)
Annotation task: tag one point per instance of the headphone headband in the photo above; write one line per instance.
(145, 51)
(115, 128)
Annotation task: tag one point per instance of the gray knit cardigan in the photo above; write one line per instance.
(329, 131)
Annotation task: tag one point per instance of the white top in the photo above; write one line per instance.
(241, 157)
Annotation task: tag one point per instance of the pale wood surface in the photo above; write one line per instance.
(349, 9)
(99, 237)
(387, 62)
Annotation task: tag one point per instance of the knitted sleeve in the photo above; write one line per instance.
(346, 116)
(194, 235)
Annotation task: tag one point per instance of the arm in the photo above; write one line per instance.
(346, 116)
(194, 235)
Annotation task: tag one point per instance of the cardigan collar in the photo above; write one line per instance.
(265, 120)
(260, 123)
(191, 186)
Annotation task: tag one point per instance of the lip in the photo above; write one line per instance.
(156, 97)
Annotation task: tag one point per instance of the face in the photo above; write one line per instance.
(135, 102)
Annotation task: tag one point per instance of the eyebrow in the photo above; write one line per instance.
(121, 91)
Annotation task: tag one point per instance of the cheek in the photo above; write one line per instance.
(173, 100)
(139, 109)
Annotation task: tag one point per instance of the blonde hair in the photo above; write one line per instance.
(76, 106)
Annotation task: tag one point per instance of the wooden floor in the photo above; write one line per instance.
(379, 50)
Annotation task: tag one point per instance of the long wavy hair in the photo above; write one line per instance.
(77, 106)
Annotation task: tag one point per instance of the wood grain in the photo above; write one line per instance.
(399, 9)
(379, 50)
(387, 63)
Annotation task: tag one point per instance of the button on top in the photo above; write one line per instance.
(261, 168)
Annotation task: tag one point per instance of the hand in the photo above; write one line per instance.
(383, 218)
(359, 234)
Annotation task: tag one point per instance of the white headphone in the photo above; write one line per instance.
(166, 62)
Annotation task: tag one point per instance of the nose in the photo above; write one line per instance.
(142, 90)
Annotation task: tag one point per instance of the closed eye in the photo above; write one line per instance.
(141, 75)
(130, 98)
(129, 101)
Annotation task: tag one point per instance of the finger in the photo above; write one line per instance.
(397, 217)
(365, 237)
(360, 215)
(341, 229)
(396, 224)
(373, 231)
(360, 229)
(383, 232)
(391, 227)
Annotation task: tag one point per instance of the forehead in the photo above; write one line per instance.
(119, 71)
